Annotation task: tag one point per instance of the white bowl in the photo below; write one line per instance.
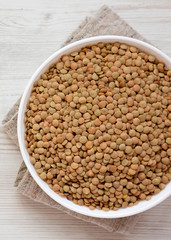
(143, 205)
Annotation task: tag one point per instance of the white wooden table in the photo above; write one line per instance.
(30, 31)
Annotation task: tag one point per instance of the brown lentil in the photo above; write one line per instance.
(98, 126)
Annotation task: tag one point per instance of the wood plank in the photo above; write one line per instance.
(30, 31)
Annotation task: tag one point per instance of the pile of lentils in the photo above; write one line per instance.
(98, 126)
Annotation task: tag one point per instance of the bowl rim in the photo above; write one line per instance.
(21, 112)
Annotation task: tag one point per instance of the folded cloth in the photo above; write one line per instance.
(105, 22)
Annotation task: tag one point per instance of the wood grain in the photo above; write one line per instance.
(30, 31)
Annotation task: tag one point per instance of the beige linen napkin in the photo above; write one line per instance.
(105, 22)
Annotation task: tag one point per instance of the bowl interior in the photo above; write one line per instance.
(143, 205)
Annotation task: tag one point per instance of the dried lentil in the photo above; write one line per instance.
(98, 126)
